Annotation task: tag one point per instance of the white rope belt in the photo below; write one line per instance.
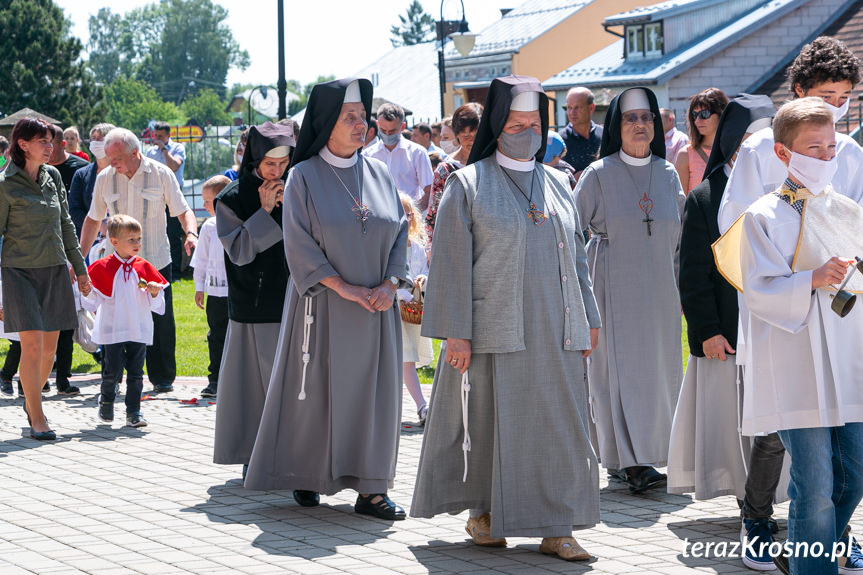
(308, 320)
(465, 446)
(739, 385)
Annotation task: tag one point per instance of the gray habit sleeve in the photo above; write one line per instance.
(590, 308)
(306, 260)
(244, 240)
(447, 311)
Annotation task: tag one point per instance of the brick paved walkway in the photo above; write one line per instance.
(111, 500)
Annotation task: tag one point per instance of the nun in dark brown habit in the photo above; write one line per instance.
(506, 436)
(332, 416)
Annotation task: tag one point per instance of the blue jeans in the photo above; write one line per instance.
(826, 486)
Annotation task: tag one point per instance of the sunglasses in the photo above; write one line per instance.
(703, 114)
(633, 118)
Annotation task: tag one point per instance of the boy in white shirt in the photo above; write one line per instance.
(126, 289)
(211, 279)
(804, 373)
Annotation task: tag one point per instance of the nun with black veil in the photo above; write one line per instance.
(249, 226)
(331, 420)
(506, 435)
(630, 200)
(707, 454)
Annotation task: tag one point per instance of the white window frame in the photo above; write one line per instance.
(638, 44)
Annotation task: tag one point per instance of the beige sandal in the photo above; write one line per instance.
(564, 547)
(479, 529)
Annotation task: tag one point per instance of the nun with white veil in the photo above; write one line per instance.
(331, 419)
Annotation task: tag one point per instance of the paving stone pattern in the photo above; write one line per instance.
(108, 500)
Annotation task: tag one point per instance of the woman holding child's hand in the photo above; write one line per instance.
(39, 239)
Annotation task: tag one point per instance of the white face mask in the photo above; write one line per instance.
(813, 173)
(449, 146)
(98, 148)
(838, 113)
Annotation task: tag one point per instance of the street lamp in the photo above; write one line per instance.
(263, 92)
(462, 38)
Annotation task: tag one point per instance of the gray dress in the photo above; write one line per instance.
(531, 463)
(247, 360)
(635, 372)
(345, 433)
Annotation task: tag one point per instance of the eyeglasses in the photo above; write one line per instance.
(633, 118)
(703, 114)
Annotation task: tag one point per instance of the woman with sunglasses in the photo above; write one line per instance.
(630, 200)
(703, 119)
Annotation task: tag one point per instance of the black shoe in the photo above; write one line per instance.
(383, 509)
(643, 477)
(43, 435)
(46, 388)
(246, 470)
(106, 410)
(162, 387)
(619, 474)
(307, 498)
(68, 389)
(6, 388)
(782, 565)
(135, 420)
(209, 391)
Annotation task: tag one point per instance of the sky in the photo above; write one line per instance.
(322, 37)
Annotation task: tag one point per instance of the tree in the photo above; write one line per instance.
(416, 27)
(41, 67)
(177, 46)
(206, 108)
(132, 104)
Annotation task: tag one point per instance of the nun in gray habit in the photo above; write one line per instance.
(630, 200)
(248, 223)
(506, 436)
(332, 415)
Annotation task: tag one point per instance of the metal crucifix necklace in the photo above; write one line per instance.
(361, 210)
(645, 203)
(534, 214)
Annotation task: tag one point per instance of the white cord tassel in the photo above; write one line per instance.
(465, 446)
(743, 454)
(308, 320)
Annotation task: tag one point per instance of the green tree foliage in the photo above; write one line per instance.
(132, 104)
(415, 27)
(206, 108)
(41, 66)
(177, 46)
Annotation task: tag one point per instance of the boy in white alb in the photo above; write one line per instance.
(804, 375)
(211, 279)
(126, 289)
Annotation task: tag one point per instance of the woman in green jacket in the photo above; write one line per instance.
(38, 239)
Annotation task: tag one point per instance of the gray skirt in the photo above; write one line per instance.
(38, 299)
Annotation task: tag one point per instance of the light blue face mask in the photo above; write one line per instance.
(390, 139)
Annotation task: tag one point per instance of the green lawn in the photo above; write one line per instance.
(192, 357)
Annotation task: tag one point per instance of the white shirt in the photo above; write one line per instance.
(144, 197)
(125, 316)
(408, 164)
(803, 366)
(675, 140)
(209, 262)
(418, 265)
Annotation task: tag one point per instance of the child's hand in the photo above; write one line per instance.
(153, 288)
(84, 285)
(199, 299)
(832, 272)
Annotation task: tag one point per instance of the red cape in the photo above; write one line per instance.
(103, 271)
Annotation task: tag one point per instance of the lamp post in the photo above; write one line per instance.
(462, 38)
(282, 85)
(263, 91)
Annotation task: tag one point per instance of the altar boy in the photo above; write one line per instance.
(126, 288)
(804, 373)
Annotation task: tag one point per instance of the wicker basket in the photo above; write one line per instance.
(412, 311)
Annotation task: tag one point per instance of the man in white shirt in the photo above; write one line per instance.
(143, 188)
(408, 162)
(675, 140)
(422, 135)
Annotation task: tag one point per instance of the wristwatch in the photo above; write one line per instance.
(395, 280)
(191, 234)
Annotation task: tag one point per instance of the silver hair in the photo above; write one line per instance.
(130, 140)
(102, 129)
